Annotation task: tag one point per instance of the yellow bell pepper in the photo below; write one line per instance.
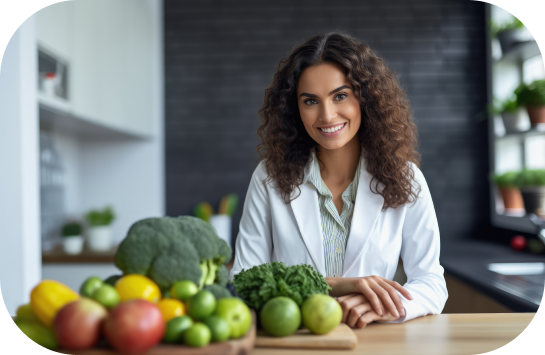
(48, 298)
(171, 308)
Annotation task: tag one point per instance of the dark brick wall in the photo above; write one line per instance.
(221, 55)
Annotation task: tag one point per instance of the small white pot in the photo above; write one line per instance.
(516, 122)
(222, 225)
(72, 244)
(100, 238)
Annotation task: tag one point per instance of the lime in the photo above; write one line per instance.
(280, 316)
(175, 329)
(25, 312)
(321, 313)
(198, 335)
(183, 290)
(90, 285)
(38, 333)
(107, 296)
(219, 327)
(201, 305)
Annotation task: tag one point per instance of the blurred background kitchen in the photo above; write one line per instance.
(116, 110)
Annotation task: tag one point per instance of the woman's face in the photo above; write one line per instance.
(329, 110)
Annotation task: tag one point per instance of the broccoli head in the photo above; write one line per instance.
(218, 291)
(222, 276)
(172, 249)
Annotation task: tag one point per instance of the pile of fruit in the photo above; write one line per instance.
(130, 314)
(172, 290)
(286, 297)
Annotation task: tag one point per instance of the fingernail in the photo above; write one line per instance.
(403, 312)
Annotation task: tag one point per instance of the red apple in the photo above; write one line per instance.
(134, 327)
(77, 325)
(518, 242)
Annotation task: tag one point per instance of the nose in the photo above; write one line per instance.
(328, 112)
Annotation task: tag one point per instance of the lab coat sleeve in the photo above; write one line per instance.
(254, 241)
(420, 254)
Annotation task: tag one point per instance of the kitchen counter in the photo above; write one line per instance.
(467, 260)
(58, 256)
(442, 334)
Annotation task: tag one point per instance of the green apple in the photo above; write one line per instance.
(236, 313)
(90, 285)
(321, 313)
(107, 296)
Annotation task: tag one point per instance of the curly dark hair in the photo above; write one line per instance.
(387, 134)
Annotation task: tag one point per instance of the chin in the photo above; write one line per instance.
(333, 145)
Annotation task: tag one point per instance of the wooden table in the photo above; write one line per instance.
(435, 335)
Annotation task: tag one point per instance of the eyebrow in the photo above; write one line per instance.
(330, 93)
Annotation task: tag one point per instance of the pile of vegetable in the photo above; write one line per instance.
(262, 282)
(172, 290)
(170, 249)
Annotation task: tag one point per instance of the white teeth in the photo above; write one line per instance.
(334, 129)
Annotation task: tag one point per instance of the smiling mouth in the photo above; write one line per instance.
(332, 129)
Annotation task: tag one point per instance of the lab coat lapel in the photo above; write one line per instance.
(366, 211)
(307, 214)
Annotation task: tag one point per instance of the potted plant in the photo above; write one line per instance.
(533, 98)
(510, 193)
(72, 238)
(100, 231)
(532, 187)
(510, 34)
(511, 113)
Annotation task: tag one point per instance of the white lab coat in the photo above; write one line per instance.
(271, 230)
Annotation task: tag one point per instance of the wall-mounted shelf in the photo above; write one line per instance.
(520, 52)
(56, 114)
(535, 131)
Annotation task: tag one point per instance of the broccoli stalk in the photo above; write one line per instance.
(204, 276)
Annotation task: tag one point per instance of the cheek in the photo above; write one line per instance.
(308, 117)
(353, 113)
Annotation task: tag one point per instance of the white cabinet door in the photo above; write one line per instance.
(54, 29)
(85, 78)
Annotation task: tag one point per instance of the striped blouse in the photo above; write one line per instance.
(335, 228)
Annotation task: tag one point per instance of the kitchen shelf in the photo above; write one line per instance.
(535, 131)
(58, 256)
(56, 113)
(520, 52)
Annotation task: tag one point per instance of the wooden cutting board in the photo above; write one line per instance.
(341, 337)
(243, 345)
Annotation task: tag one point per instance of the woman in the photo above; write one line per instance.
(338, 186)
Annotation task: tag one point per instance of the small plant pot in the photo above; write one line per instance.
(100, 238)
(515, 122)
(537, 115)
(534, 199)
(510, 38)
(73, 244)
(512, 199)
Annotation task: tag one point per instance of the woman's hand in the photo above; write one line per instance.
(380, 292)
(358, 311)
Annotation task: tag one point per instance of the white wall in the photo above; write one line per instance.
(19, 178)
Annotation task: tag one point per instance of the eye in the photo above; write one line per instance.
(340, 97)
(310, 102)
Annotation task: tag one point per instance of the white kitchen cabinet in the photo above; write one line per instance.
(108, 45)
(54, 29)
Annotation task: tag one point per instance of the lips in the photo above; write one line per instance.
(332, 131)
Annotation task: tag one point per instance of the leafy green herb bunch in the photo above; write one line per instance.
(97, 218)
(532, 95)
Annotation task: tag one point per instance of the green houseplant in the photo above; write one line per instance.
(509, 33)
(532, 187)
(72, 238)
(533, 98)
(100, 231)
(511, 114)
(510, 193)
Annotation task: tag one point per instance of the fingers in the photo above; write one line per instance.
(400, 288)
(385, 298)
(366, 319)
(349, 303)
(366, 287)
(394, 296)
(356, 312)
(342, 298)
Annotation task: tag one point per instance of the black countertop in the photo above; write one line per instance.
(468, 261)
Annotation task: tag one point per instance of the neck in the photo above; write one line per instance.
(339, 165)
